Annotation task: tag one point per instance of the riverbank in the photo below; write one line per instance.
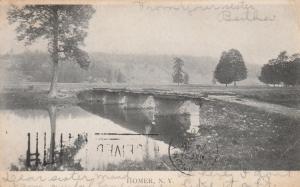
(37, 92)
(35, 98)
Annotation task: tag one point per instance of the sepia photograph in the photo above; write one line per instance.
(160, 87)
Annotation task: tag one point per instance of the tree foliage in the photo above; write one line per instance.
(63, 26)
(269, 75)
(178, 73)
(231, 67)
(284, 69)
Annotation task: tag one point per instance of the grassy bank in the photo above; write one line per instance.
(279, 95)
(20, 98)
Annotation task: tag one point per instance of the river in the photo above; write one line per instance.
(94, 136)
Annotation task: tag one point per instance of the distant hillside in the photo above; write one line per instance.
(157, 69)
(129, 68)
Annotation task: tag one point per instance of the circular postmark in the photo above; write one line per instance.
(195, 151)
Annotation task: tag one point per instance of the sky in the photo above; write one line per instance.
(183, 29)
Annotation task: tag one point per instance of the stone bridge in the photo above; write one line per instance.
(164, 102)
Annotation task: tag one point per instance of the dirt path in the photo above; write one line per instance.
(268, 107)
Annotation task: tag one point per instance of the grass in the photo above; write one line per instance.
(277, 95)
(243, 138)
(19, 98)
(255, 139)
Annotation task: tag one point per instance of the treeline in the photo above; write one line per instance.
(231, 68)
(282, 70)
(36, 66)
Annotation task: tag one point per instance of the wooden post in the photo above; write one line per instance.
(61, 148)
(52, 148)
(44, 160)
(28, 151)
(37, 150)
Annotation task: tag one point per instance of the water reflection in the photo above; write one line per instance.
(54, 158)
(95, 136)
(46, 140)
(146, 121)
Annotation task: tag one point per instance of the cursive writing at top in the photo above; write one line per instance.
(229, 12)
(250, 16)
(241, 5)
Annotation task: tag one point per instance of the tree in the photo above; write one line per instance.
(269, 75)
(63, 26)
(231, 68)
(178, 74)
(224, 71)
(284, 69)
(289, 68)
(240, 70)
(272, 73)
(297, 61)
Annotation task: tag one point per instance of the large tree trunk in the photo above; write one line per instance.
(54, 55)
(52, 116)
(53, 90)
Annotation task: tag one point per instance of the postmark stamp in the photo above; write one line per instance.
(197, 152)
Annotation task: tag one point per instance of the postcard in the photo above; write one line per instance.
(150, 93)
